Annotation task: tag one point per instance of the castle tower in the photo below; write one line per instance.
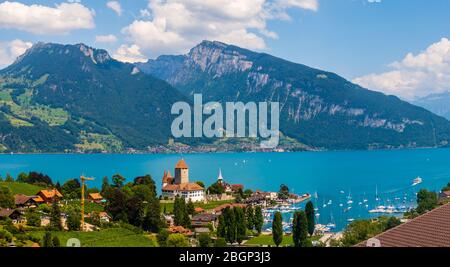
(181, 172)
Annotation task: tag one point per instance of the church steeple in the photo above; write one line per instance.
(220, 178)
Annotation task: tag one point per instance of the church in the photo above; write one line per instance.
(180, 185)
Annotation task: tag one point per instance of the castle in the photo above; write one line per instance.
(180, 185)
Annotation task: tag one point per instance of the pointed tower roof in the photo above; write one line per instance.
(181, 165)
(220, 178)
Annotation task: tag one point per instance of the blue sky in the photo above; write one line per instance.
(366, 41)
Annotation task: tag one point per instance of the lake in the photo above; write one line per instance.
(339, 178)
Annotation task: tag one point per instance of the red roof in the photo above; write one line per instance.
(431, 229)
(181, 165)
(183, 187)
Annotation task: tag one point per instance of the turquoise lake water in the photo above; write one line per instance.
(333, 175)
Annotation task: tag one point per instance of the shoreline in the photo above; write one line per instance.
(226, 152)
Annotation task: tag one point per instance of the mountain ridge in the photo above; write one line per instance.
(312, 101)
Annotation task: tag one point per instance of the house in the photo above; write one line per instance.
(48, 196)
(218, 210)
(431, 229)
(104, 217)
(180, 185)
(179, 230)
(13, 214)
(229, 188)
(95, 197)
(204, 220)
(23, 201)
(443, 196)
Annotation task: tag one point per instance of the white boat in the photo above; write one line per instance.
(330, 202)
(351, 220)
(417, 181)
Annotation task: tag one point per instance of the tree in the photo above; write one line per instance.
(6, 198)
(74, 221)
(118, 180)
(204, 240)
(259, 219)
(152, 220)
(148, 181)
(426, 201)
(71, 189)
(116, 205)
(56, 242)
(284, 192)
(177, 240)
(135, 211)
(200, 183)
(180, 212)
(9, 178)
(22, 177)
(190, 208)
(250, 215)
(310, 216)
(221, 227)
(33, 219)
(105, 185)
(241, 226)
(277, 229)
(55, 217)
(162, 237)
(392, 222)
(300, 229)
(47, 241)
(216, 189)
(220, 243)
(230, 225)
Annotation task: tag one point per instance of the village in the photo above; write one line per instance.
(75, 208)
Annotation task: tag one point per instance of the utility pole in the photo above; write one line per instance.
(83, 180)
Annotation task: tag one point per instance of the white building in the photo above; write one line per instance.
(180, 185)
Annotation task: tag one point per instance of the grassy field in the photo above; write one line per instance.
(22, 188)
(114, 237)
(88, 206)
(209, 206)
(267, 240)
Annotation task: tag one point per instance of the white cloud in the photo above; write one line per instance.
(39, 19)
(177, 25)
(416, 75)
(130, 54)
(9, 51)
(110, 38)
(115, 6)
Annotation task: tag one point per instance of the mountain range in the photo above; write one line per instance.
(437, 103)
(74, 98)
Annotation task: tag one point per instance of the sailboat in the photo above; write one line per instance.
(350, 201)
(376, 193)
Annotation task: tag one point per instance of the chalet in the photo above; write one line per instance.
(12, 214)
(218, 210)
(204, 220)
(23, 201)
(95, 197)
(48, 196)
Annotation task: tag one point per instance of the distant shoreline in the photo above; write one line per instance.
(224, 152)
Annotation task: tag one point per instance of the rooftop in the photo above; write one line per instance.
(431, 229)
(181, 165)
(183, 187)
